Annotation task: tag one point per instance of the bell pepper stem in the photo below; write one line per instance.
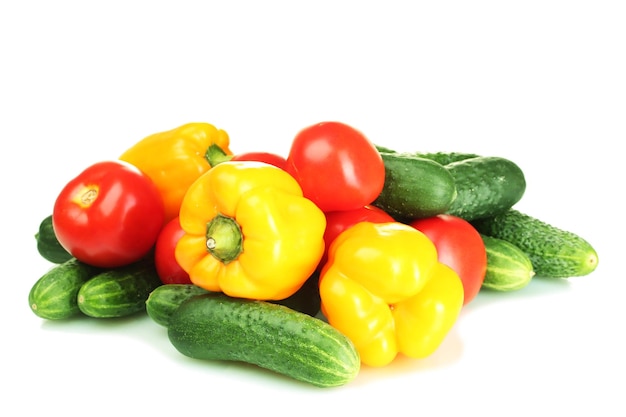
(216, 155)
(224, 239)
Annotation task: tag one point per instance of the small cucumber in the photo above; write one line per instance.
(54, 294)
(165, 299)
(508, 267)
(554, 252)
(485, 186)
(414, 187)
(48, 245)
(120, 291)
(272, 336)
(307, 299)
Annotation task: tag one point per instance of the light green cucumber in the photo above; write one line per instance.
(119, 292)
(54, 294)
(508, 267)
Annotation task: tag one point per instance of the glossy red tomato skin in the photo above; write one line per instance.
(118, 225)
(267, 157)
(459, 246)
(167, 267)
(340, 220)
(337, 166)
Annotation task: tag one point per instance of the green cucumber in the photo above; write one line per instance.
(119, 292)
(384, 149)
(508, 267)
(485, 186)
(445, 158)
(272, 336)
(414, 187)
(441, 157)
(165, 299)
(307, 299)
(54, 294)
(48, 245)
(554, 252)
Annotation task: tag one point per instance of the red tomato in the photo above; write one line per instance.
(338, 221)
(337, 167)
(267, 157)
(167, 267)
(459, 246)
(109, 215)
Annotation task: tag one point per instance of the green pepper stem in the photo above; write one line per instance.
(224, 239)
(216, 155)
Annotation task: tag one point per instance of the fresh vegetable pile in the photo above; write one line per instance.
(341, 255)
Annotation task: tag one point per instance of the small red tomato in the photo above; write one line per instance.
(460, 246)
(267, 157)
(168, 269)
(337, 167)
(109, 215)
(340, 220)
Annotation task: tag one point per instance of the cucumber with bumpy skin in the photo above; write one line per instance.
(441, 157)
(119, 292)
(554, 252)
(54, 294)
(485, 186)
(445, 158)
(508, 267)
(165, 299)
(272, 336)
(414, 187)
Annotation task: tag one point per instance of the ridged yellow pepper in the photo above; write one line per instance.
(384, 288)
(176, 158)
(249, 232)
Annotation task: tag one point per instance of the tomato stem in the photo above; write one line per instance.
(224, 239)
(89, 197)
(86, 196)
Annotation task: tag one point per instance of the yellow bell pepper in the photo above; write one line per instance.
(249, 232)
(384, 288)
(174, 159)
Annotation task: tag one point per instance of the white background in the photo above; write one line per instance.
(540, 82)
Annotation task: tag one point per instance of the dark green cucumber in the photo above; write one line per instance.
(272, 336)
(54, 294)
(165, 299)
(441, 157)
(119, 292)
(554, 252)
(384, 149)
(48, 245)
(445, 158)
(415, 187)
(307, 299)
(508, 267)
(485, 186)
